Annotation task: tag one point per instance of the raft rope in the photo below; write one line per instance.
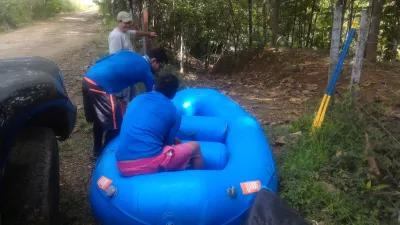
(319, 118)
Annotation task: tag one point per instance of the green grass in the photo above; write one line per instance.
(335, 189)
(82, 123)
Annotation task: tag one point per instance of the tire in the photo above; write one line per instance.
(31, 180)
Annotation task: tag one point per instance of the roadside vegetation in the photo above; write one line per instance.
(17, 13)
(347, 172)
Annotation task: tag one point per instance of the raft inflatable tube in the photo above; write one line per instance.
(238, 163)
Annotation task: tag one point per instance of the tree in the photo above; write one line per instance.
(372, 43)
(275, 28)
(220, 26)
(250, 23)
(264, 13)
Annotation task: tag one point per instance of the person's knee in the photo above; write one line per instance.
(195, 146)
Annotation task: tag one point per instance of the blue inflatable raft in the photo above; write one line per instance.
(238, 163)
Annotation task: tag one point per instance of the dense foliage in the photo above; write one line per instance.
(215, 26)
(14, 13)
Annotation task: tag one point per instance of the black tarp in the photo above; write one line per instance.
(269, 209)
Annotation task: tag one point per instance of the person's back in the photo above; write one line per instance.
(149, 130)
(147, 124)
(110, 75)
(116, 72)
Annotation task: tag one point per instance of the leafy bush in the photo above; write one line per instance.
(15, 13)
(327, 177)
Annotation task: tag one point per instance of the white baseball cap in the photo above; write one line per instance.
(124, 17)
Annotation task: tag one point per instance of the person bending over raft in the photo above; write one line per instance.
(149, 131)
(110, 75)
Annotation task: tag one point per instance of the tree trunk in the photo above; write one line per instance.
(151, 13)
(294, 22)
(335, 40)
(343, 12)
(275, 28)
(372, 44)
(250, 23)
(264, 13)
(236, 28)
(182, 43)
(146, 40)
(310, 23)
(358, 58)
(206, 63)
(299, 34)
(313, 32)
(350, 18)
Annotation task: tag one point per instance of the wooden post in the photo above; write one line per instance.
(359, 56)
(181, 69)
(335, 40)
(146, 42)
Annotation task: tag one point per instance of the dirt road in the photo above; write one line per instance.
(53, 37)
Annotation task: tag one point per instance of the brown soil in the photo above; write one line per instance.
(278, 86)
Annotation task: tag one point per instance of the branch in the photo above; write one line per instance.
(371, 158)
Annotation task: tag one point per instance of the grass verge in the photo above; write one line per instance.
(328, 177)
(18, 13)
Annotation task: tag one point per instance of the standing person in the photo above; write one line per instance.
(111, 75)
(121, 39)
(148, 142)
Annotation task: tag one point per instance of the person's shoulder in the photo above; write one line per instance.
(126, 54)
(139, 60)
(115, 33)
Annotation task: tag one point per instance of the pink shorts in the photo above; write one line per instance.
(172, 158)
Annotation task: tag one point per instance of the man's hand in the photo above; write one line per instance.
(177, 141)
(139, 33)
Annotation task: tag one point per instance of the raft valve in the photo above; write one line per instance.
(111, 191)
(231, 192)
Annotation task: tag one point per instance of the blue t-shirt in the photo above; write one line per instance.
(151, 122)
(116, 72)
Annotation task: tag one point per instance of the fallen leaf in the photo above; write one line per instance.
(280, 141)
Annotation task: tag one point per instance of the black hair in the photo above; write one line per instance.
(159, 54)
(167, 84)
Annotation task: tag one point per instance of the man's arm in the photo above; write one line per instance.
(138, 33)
(171, 137)
(149, 81)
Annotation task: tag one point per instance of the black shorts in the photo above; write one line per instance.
(100, 106)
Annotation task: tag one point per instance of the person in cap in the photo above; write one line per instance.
(109, 75)
(121, 37)
(148, 143)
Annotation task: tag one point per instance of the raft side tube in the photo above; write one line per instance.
(249, 148)
(202, 128)
(207, 102)
(215, 155)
